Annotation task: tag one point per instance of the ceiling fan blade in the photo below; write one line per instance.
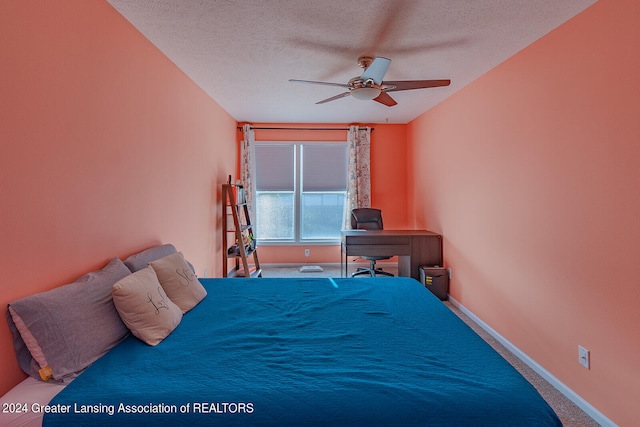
(319, 83)
(376, 70)
(333, 98)
(414, 84)
(385, 99)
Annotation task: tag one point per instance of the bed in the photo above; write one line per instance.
(312, 351)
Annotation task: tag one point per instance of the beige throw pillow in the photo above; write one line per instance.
(178, 281)
(144, 306)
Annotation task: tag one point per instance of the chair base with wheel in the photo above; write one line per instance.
(372, 270)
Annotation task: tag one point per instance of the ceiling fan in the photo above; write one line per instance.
(370, 86)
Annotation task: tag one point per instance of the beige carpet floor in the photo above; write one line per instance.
(570, 414)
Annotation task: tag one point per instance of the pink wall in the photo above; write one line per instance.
(388, 183)
(107, 148)
(531, 174)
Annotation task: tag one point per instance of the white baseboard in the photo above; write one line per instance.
(325, 264)
(598, 416)
(296, 264)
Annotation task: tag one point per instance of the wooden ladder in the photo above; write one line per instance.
(234, 205)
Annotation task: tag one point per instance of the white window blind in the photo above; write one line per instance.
(324, 167)
(275, 167)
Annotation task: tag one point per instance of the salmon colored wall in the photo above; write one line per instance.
(388, 182)
(107, 148)
(531, 174)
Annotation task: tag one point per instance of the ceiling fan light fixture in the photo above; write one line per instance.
(365, 93)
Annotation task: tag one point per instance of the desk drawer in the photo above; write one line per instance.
(378, 250)
(378, 240)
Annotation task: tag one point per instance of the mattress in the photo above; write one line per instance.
(312, 351)
(20, 406)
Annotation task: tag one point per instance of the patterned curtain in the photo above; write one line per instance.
(247, 168)
(358, 177)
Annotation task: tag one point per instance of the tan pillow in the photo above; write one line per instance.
(178, 281)
(144, 307)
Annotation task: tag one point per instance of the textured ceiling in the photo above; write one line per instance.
(243, 52)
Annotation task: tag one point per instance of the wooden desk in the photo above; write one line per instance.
(414, 248)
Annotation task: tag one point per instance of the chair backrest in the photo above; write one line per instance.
(366, 219)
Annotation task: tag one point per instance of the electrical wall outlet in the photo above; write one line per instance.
(306, 253)
(449, 273)
(583, 357)
(206, 273)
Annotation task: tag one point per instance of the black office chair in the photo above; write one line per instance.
(368, 219)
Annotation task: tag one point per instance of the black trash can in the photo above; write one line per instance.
(436, 279)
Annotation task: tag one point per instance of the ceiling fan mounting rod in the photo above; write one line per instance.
(365, 61)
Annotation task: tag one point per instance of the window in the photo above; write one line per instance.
(300, 191)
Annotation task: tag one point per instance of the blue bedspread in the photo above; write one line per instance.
(311, 351)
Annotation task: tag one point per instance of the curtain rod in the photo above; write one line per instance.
(283, 128)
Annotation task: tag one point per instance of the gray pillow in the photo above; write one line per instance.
(69, 327)
(140, 260)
